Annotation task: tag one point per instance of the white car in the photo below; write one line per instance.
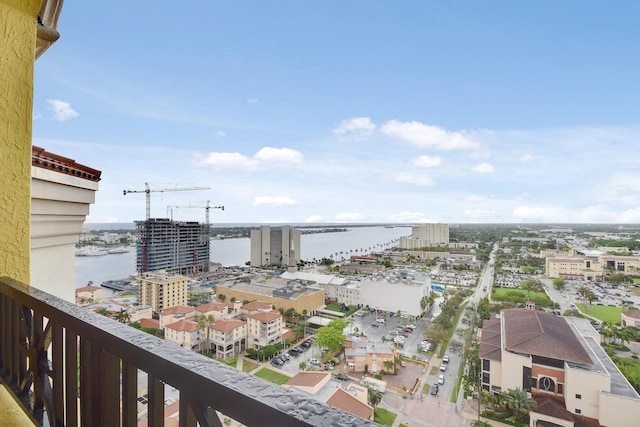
(314, 361)
(380, 320)
(441, 379)
(443, 367)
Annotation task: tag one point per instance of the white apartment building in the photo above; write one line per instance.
(228, 338)
(277, 246)
(185, 333)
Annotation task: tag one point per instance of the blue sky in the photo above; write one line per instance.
(350, 111)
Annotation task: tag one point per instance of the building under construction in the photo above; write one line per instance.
(177, 247)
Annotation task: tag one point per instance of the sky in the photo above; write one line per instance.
(404, 111)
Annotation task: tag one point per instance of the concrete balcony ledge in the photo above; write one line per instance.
(52, 351)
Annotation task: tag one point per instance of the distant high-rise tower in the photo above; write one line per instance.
(278, 246)
(173, 246)
(433, 234)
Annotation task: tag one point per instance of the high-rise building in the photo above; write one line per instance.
(176, 247)
(426, 236)
(160, 290)
(279, 246)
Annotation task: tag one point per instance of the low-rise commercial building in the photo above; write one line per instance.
(370, 357)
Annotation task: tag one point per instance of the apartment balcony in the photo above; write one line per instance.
(71, 367)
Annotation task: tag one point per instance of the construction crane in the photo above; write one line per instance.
(207, 207)
(148, 192)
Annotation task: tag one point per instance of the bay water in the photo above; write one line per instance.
(231, 252)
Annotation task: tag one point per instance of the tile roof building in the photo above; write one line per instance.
(559, 359)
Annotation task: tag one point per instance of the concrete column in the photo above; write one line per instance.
(18, 30)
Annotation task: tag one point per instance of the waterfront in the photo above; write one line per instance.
(231, 252)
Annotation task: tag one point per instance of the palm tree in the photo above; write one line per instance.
(388, 366)
(205, 322)
(123, 316)
(519, 402)
(374, 397)
(103, 311)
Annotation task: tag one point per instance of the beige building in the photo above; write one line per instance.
(185, 333)
(426, 236)
(359, 354)
(88, 294)
(560, 362)
(282, 293)
(264, 328)
(228, 338)
(159, 290)
(630, 318)
(590, 265)
(177, 312)
(275, 246)
(218, 310)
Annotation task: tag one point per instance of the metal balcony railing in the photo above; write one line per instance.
(72, 367)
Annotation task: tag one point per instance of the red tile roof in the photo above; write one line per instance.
(542, 334)
(265, 316)
(45, 160)
(177, 309)
(212, 306)
(343, 400)
(227, 325)
(149, 323)
(256, 305)
(183, 325)
(308, 379)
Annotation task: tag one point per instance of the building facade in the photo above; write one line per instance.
(160, 290)
(560, 362)
(275, 246)
(185, 333)
(228, 338)
(426, 236)
(370, 357)
(264, 328)
(177, 247)
(590, 265)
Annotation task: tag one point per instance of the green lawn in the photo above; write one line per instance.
(503, 294)
(602, 312)
(384, 417)
(248, 366)
(273, 376)
(338, 308)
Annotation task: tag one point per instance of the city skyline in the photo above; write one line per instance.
(359, 112)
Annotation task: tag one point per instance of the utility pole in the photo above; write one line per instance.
(148, 192)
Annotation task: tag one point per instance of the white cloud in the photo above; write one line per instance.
(426, 136)
(483, 168)
(624, 183)
(427, 161)
(527, 157)
(407, 217)
(523, 196)
(221, 134)
(280, 155)
(252, 100)
(274, 202)
(358, 126)
(474, 199)
(533, 213)
(480, 213)
(62, 111)
(422, 180)
(313, 218)
(226, 161)
(349, 217)
(37, 115)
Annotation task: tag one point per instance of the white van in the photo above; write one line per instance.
(375, 384)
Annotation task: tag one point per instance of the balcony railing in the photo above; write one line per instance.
(72, 367)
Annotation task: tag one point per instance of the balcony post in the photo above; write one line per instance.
(18, 32)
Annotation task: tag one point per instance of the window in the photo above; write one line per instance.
(560, 388)
(486, 364)
(578, 411)
(578, 396)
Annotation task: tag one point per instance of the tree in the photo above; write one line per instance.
(103, 311)
(123, 316)
(222, 297)
(518, 401)
(205, 322)
(332, 336)
(374, 397)
(558, 283)
(389, 366)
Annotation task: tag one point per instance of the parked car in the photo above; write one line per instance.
(445, 359)
(314, 361)
(443, 367)
(375, 325)
(381, 320)
(342, 377)
(328, 366)
(411, 326)
(441, 379)
(277, 361)
(285, 357)
(434, 389)
(408, 330)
